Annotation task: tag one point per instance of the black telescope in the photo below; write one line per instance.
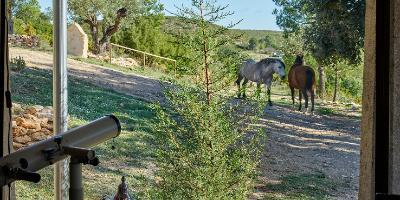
(23, 164)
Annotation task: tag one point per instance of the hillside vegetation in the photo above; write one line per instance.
(275, 38)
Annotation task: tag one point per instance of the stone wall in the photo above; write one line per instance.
(31, 124)
(23, 40)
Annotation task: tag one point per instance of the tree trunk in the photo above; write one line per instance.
(94, 29)
(101, 45)
(321, 82)
(206, 64)
(335, 92)
(111, 30)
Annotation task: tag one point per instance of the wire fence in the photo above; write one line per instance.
(146, 58)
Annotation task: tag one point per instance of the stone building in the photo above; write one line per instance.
(77, 41)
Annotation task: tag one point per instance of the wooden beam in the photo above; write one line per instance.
(367, 154)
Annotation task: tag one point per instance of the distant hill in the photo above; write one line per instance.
(276, 37)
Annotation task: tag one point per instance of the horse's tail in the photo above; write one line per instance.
(309, 79)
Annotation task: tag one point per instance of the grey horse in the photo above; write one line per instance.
(261, 73)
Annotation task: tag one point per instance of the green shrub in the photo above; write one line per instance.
(17, 64)
(204, 151)
(325, 111)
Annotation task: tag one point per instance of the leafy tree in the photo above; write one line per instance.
(203, 149)
(25, 9)
(145, 33)
(30, 20)
(266, 42)
(252, 44)
(104, 17)
(202, 39)
(333, 29)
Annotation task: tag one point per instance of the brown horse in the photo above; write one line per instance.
(303, 78)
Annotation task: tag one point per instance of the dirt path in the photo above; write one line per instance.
(297, 143)
(304, 144)
(135, 85)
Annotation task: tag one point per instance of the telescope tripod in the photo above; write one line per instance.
(78, 156)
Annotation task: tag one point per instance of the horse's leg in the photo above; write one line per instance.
(258, 92)
(269, 95)
(305, 99)
(244, 87)
(292, 92)
(268, 84)
(238, 84)
(312, 101)
(299, 100)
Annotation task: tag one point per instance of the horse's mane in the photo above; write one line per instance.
(270, 60)
(299, 60)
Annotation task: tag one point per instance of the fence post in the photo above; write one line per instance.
(144, 60)
(175, 69)
(144, 55)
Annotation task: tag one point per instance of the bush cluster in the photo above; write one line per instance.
(204, 151)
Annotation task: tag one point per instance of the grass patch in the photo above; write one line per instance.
(325, 111)
(302, 187)
(88, 102)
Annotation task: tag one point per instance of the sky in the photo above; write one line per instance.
(256, 14)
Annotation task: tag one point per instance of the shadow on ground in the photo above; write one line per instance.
(308, 157)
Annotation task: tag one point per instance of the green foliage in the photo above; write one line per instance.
(105, 18)
(88, 102)
(266, 38)
(22, 28)
(332, 29)
(349, 81)
(30, 20)
(325, 111)
(333, 33)
(146, 34)
(252, 44)
(25, 9)
(17, 64)
(202, 40)
(262, 44)
(203, 148)
(82, 10)
(230, 60)
(268, 41)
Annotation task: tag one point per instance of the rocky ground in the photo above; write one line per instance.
(31, 124)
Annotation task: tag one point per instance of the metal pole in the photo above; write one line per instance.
(76, 188)
(7, 192)
(60, 92)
